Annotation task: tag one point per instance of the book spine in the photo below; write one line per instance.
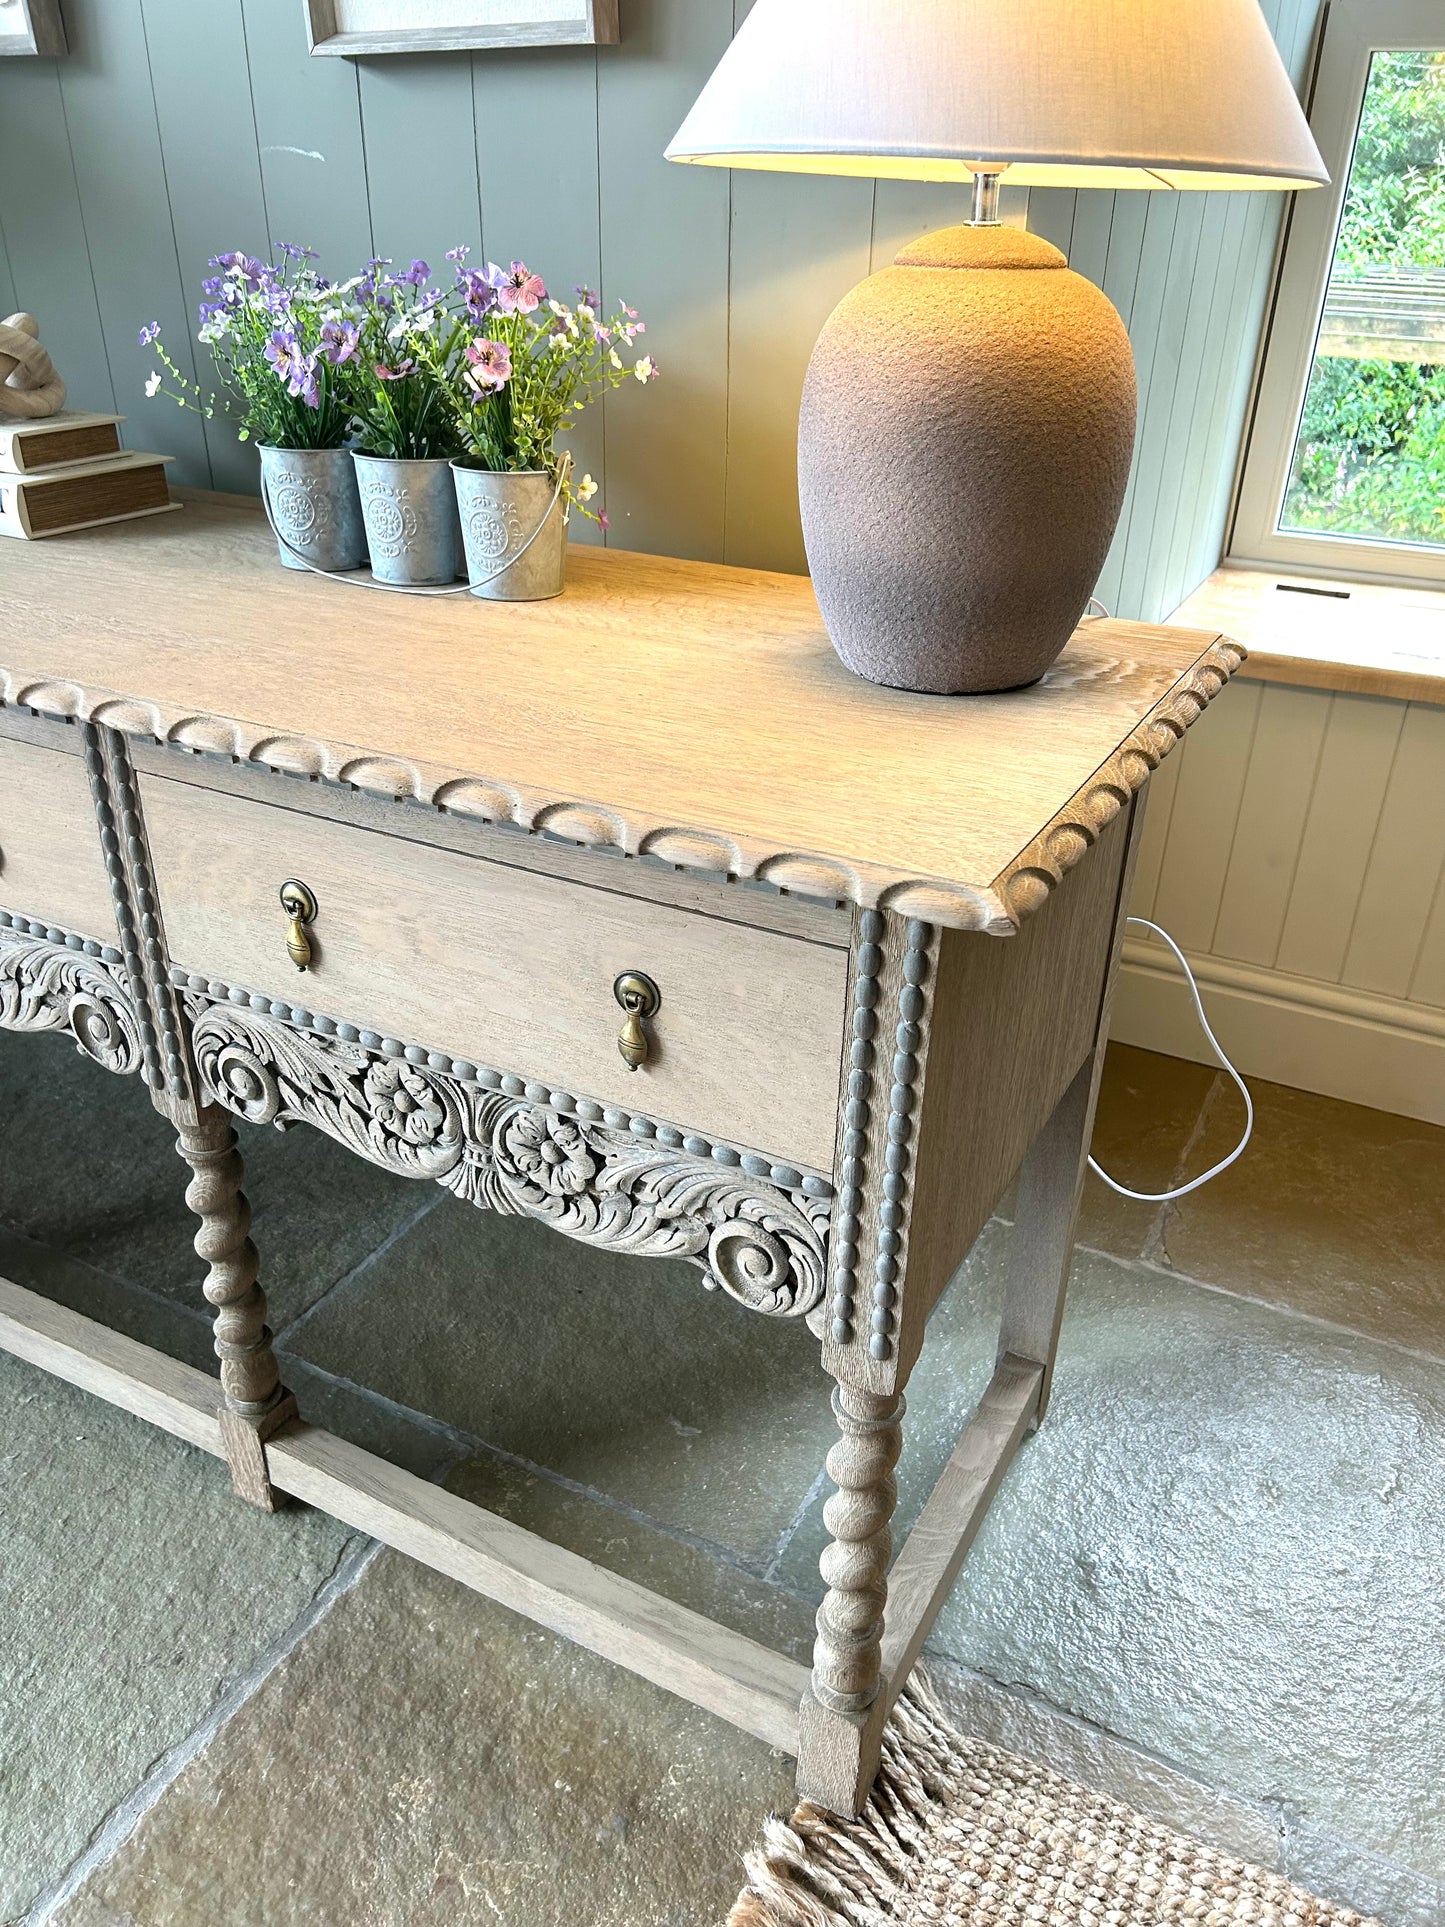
(13, 519)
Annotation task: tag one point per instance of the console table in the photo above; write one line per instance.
(634, 912)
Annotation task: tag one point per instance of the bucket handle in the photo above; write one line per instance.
(354, 581)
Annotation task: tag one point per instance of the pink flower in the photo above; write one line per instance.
(518, 290)
(490, 366)
(399, 373)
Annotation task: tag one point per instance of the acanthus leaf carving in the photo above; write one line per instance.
(47, 985)
(763, 1244)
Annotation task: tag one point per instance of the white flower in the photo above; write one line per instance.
(644, 369)
(396, 333)
(560, 309)
(586, 489)
(616, 359)
(213, 331)
(586, 313)
(153, 386)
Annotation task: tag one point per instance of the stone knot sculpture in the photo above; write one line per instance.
(29, 385)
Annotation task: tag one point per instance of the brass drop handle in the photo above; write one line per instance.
(300, 906)
(641, 999)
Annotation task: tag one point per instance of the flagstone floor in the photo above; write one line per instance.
(1214, 1584)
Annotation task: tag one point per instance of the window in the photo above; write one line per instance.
(1345, 463)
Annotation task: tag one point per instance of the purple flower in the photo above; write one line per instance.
(588, 297)
(458, 254)
(416, 274)
(293, 253)
(517, 289)
(149, 333)
(489, 366)
(478, 293)
(340, 341)
(294, 366)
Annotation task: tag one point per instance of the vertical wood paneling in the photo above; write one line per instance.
(1161, 371)
(1354, 770)
(1206, 807)
(548, 211)
(110, 112)
(7, 279)
(1284, 758)
(308, 123)
(665, 242)
(1051, 213)
(1163, 785)
(213, 175)
(421, 173)
(45, 232)
(799, 242)
(1427, 986)
(1404, 865)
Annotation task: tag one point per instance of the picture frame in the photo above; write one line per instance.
(358, 27)
(31, 27)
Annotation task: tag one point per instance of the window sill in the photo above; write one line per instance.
(1322, 632)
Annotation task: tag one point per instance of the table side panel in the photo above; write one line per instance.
(51, 865)
(509, 968)
(1012, 1022)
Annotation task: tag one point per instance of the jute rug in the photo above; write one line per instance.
(959, 1834)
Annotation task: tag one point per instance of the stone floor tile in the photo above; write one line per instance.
(1334, 1210)
(133, 1586)
(88, 1166)
(1224, 1544)
(469, 1767)
(621, 1373)
(1149, 1106)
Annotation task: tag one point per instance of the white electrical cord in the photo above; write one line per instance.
(1183, 1190)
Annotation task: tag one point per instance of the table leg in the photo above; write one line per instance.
(841, 1729)
(254, 1402)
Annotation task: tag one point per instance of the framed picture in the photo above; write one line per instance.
(31, 27)
(438, 26)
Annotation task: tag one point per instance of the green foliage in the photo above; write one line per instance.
(1371, 454)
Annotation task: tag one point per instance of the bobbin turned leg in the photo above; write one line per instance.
(841, 1729)
(254, 1402)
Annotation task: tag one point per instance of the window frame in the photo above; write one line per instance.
(1351, 32)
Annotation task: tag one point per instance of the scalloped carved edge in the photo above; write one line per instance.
(1038, 870)
(610, 1178)
(998, 910)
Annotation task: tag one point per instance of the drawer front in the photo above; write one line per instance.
(51, 867)
(508, 968)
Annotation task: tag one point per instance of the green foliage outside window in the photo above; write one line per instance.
(1370, 460)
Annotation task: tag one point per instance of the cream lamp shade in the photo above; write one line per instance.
(1057, 93)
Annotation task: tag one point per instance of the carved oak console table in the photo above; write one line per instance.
(633, 912)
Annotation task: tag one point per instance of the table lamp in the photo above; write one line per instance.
(968, 415)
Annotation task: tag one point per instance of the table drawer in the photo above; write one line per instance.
(508, 968)
(51, 866)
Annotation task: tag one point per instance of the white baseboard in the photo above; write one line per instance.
(1351, 1044)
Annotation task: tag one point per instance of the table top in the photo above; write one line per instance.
(689, 712)
(1318, 632)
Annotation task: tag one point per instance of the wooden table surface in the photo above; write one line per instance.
(1369, 638)
(676, 709)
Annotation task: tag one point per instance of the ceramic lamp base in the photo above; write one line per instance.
(964, 445)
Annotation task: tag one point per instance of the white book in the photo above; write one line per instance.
(54, 441)
(57, 500)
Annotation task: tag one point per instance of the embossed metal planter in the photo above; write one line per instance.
(514, 527)
(410, 510)
(315, 509)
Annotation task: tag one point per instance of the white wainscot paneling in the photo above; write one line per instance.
(1295, 847)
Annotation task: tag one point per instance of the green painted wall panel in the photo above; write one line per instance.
(186, 129)
(109, 110)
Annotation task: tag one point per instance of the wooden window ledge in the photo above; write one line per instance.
(1369, 638)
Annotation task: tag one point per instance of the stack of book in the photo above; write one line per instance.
(69, 471)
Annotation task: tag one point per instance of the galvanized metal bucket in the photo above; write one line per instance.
(514, 528)
(411, 519)
(314, 507)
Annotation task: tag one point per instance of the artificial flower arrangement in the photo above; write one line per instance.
(416, 393)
